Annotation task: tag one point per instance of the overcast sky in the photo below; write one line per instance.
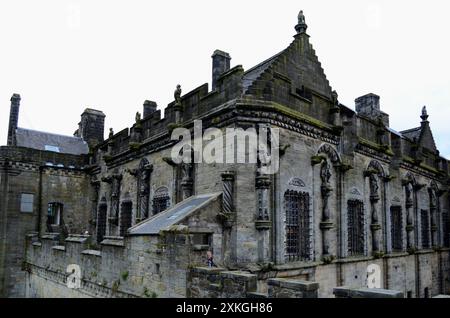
(65, 55)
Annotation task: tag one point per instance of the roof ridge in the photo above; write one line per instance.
(50, 133)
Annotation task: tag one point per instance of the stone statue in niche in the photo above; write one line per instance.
(144, 177)
(373, 185)
(325, 173)
(433, 199)
(186, 171)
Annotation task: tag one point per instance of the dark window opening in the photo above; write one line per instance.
(125, 217)
(355, 224)
(161, 200)
(305, 93)
(426, 293)
(425, 228)
(409, 294)
(201, 239)
(101, 225)
(54, 213)
(397, 228)
(297, 226)
(446, 229)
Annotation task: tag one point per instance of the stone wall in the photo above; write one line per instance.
(143, 266)
(205, 282)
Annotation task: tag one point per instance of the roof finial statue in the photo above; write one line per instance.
(424, 113)
(301, 18)
(177, 95)
(301, 26)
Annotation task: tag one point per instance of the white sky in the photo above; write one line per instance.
(65, 55)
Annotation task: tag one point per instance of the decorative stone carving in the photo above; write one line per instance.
(355, 191)
(301, 27)
(434, 208)
(375, 172)
(143, 174)
(262, 191)
(409, 183)
(115, 182)
(330, 152)
(297, 182)
(187, 183)
(227, 215)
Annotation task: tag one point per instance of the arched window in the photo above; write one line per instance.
(161, 200)
(297, 226)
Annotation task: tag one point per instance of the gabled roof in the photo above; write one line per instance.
(421, 135)
(298, 62)
(50, 142)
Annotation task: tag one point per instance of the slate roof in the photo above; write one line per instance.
(173, 215)
(413, 133)
(39, 140)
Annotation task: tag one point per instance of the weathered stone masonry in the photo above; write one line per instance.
(350, 192)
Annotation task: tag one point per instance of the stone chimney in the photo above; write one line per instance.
(92, 127)
(369, 106)
(13, 119)
(220, 64)
(149, 108)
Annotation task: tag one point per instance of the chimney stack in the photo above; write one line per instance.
(220, 64)
(13, 119)
(149, 108)
(92, 127)
(369, 106)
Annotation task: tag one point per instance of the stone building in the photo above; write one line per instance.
(121, 218)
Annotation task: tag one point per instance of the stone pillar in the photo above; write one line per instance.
(96, 188)
(264, 219)
(375, 225)
(228, 213)
(326, 225)
(409, 204)
(434, 201)
(227, 216)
